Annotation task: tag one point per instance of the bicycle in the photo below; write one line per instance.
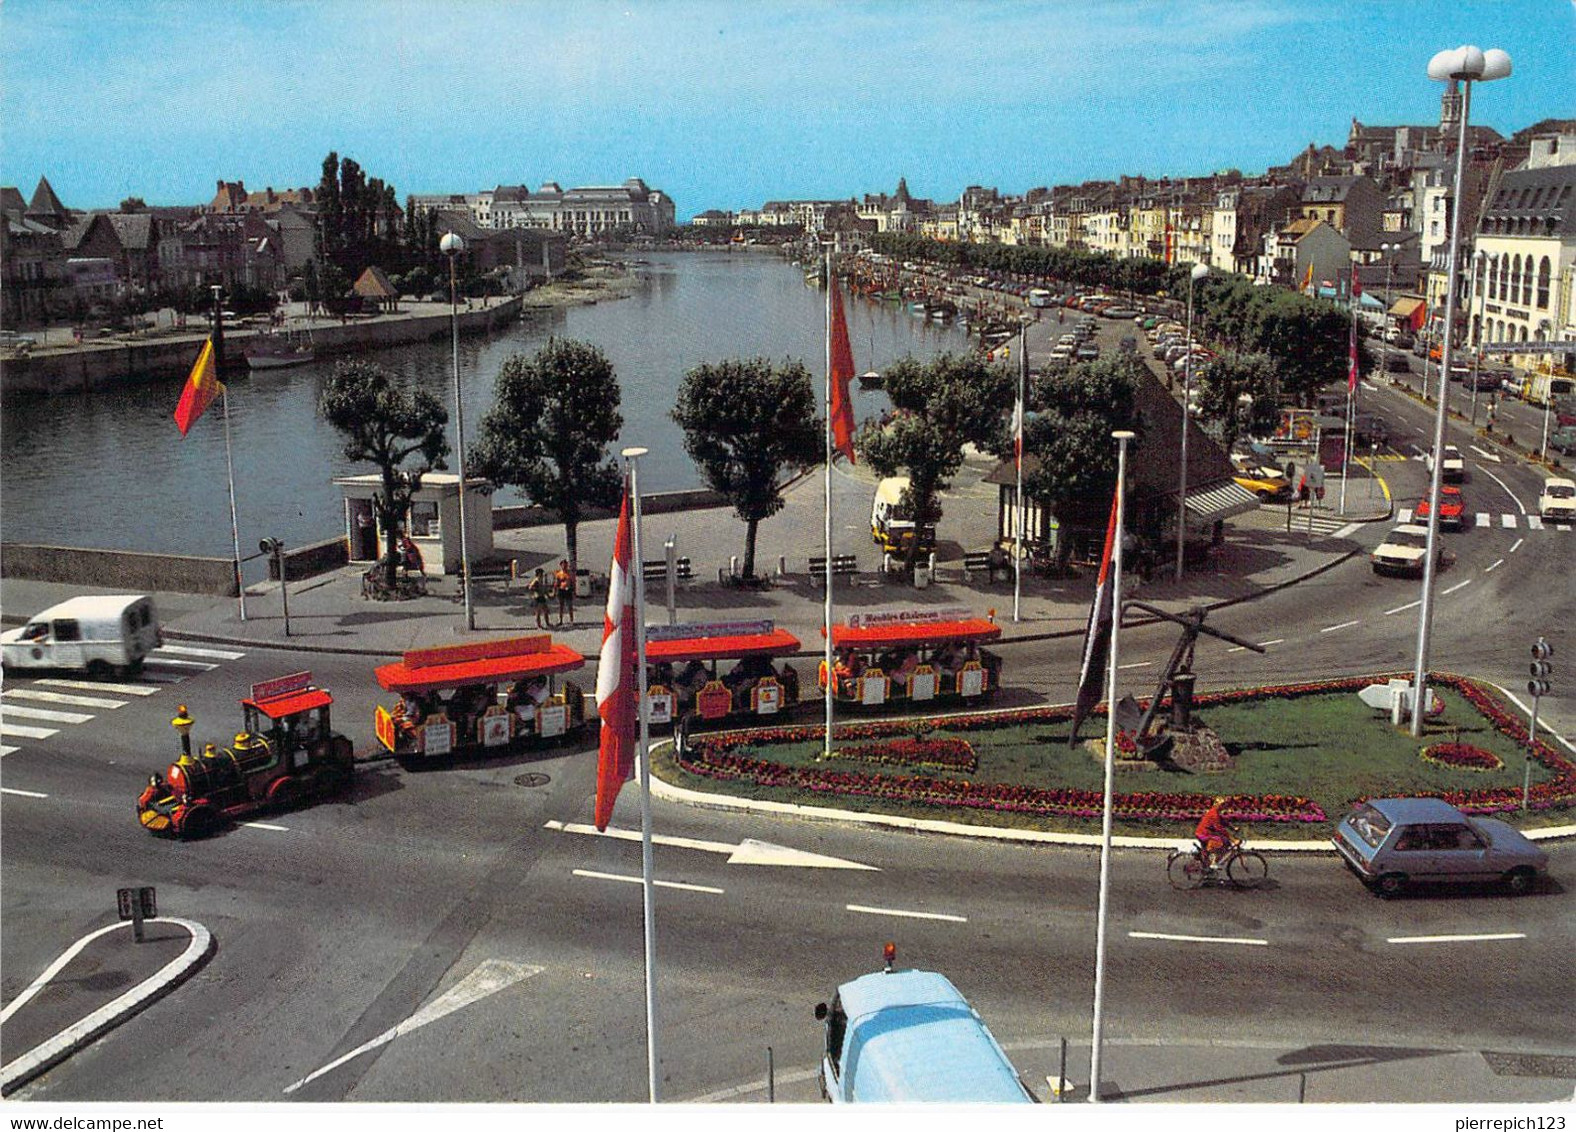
(1243, 868)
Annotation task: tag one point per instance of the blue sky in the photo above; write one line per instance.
(725, 104)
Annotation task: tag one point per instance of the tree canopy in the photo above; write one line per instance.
(745, 422)
(386, 426)
(553, 417)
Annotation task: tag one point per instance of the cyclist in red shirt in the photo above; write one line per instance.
(1215, 834)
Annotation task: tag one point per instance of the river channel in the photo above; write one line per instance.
(108, 469)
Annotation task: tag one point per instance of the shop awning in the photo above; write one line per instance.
(1220, 501)
(1406, 308)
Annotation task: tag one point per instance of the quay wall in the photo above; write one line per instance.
(130, 570)
(95, 365)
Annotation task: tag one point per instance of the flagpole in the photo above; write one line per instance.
(1017, 458)
(229, 461)
(643, 756)
(826, 613)
(1351, 390)
(1122, 437)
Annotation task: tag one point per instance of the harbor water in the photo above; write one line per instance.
(109, 469)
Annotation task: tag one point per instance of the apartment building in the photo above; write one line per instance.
(1527, 238)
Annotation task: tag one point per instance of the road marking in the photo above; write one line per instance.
(1515, 546)
(1455, 938)
(172, 662)
(1347, 531)
(18, 731)
(1457, 586)
(61, 698)
(1405, 515)
(1244, 940)
(265, 825)
(1137, 664)
(1342, 625)
(1498, 562)
(21, 793)
(100, 686)
(4, 750)
(16, 711)
(1534, 523)
(906, 914)
(746, 852)
(1520, 506)
(1262, 645)
(1483, 519)
(489, 977)
(590, 874)
(1403, 608)
(1508, 522)
(1485, 455)
(187, 650)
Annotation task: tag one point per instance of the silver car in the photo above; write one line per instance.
(1391, 843)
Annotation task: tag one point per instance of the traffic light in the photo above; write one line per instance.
(1540, 670)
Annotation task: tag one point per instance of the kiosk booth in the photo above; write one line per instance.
(433, 523)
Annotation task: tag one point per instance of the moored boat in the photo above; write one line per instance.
(272, 351)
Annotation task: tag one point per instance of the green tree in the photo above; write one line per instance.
(1069, 434)
(938, 407)
(745, 422)
(386, 426)
(1228, 384)
(553, 416)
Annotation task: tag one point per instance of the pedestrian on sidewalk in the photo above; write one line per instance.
(564, 585)
(537, 588)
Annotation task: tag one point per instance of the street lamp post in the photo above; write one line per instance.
(452, 245)
(1384, 336)
(1548, 398)
(1465, 65)
(1475, 334)
(1198, 272)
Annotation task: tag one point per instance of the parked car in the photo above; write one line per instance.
(1563, 440)
(1397, 362)
(1558, 501)
(1455, 466)
(1403, 551)
(1268, 483)
(1370, 431)
(1391, 843)
(1088, 352)
(1452, 507)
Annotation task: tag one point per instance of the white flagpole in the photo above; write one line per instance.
(1017, 452)
(1351, 398)
(235, 525)
(826, 612)
(1121, 437)
(643, 754)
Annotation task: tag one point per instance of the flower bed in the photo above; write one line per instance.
(1462, 756)
(730, 757)
(924, 754)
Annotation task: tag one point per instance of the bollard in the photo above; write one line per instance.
(771, 1078)
(782, 565)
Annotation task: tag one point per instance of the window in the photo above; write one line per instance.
(67, 629)
(424, 520)
(1543, 284)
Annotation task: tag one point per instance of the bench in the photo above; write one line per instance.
(842, 564)
(656, 569)
(975, 561)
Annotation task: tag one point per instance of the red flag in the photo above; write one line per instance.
(1017, 435)
(616, 677)
(202, 386)
(1357, 287)
(1097, 638)
(840, 373)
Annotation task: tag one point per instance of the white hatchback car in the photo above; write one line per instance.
(1558, 501)
(1402, 551)
(1455, 465)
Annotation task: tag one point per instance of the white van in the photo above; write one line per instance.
(892, 519)
(100, 634)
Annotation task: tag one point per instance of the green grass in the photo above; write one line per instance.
(1329, 747)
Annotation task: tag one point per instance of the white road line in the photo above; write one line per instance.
(636, 880)
(1244, 940)
(1498, 562)
(1483, 519)
(1515, 546)
(17, 731)
(265, 825)
(1403, 516)
(1533, 522)
(99, 686)
(906, 914)
(156, 661)
(187, 650)
(1403, 608)
(1520, 506)
(1508, 522)
(1137, 664)
(1485, 455)
(16, 711)
(1457, 586)
(4, 750)
(61, 698)
(1342, 625)
(1262, 645)
(1345, 532)
(1455, 938)
(22, 793)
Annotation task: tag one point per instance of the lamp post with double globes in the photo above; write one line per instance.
(1465, 65)
(1199, 271)
(1386, 250)
(451, 246)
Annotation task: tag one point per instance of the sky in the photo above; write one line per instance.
(729, 103)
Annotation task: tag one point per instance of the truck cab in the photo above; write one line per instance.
(892, 519)
(908, 1036)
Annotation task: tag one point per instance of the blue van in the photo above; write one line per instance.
(910, 1036)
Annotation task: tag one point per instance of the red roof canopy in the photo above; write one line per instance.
(913, 633)
(291, 703)
(778, 642)
(403, 676)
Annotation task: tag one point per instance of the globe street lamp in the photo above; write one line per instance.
(1475, 329)
(1198, 272)
(452, 245)
(1389, 270)
(1465, 65)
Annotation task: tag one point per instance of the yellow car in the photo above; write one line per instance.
(1268, 483)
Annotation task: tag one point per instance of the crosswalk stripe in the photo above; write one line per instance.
(188, 650)
(1483, 518)
(1534, 523)
(1508, 522)
(157, 661)
(13, 711)
(61, 698)
(1405, 515)
(17, 731)
(100, 686)
(4, 750)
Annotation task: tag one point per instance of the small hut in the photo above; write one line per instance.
(375, 289)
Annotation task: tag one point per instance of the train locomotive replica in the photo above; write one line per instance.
(287, 753)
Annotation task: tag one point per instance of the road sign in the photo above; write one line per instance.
(136, 905)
